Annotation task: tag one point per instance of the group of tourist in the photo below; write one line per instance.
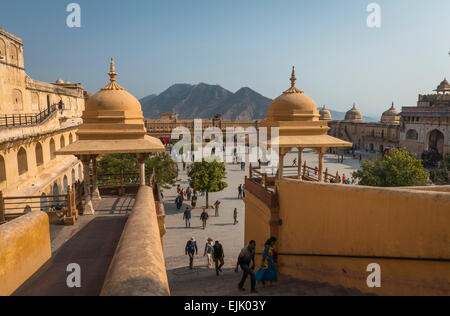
(204, 216)
(266, 275)
(186, 195)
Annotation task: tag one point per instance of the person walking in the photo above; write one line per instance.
(219, 257)
(216, 206)
(187, 217)
(209, 252)
(194, 201)
(235, 216)
(204, 217)
(191, 249)
(179, 202)
(247, 257)
(240, 192)
(268, 270)
(188, 193)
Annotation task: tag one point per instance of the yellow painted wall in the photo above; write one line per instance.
(257, 221)
(24, 248)
(367, 222)
(320, 221)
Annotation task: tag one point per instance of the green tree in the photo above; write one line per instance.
(441, 174)
(165, 170)
(163, 165)
(398, 168)
(208, 177)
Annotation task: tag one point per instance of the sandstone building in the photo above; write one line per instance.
(36, 120)
(427, 126)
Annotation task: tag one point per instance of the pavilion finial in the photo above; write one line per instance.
(112, 71)
(112, 77)
(293, 79)
(293, 89)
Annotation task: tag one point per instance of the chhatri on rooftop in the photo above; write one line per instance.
(113, 122)
(296, 116)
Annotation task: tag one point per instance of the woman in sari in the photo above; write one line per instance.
(268, 270)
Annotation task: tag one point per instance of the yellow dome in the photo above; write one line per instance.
(113, 97)
(391, 115)
(325, 115)
(113, 100)
(292, 105)
(353, 114)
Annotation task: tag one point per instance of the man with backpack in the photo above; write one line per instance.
(191, 249)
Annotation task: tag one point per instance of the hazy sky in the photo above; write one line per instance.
(236, 43)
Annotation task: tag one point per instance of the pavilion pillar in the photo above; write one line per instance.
(141, 159)
(321, 152)
(95, 191)
(88, 207)
(283, 153)
(299, 163)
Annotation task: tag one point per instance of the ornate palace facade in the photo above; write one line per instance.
(37, 119)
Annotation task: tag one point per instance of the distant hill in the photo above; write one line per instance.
(205, 101)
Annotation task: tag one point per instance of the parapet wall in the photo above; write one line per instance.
(331, 233)
(138, 267)
(24, 248)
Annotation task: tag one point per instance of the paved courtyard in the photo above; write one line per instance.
(198, 282)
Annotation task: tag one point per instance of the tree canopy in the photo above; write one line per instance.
(208, 177)
(398, 168)
(163, 165)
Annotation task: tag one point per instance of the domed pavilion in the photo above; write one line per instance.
(325, 114)
(391, 116)
(353, 115)
(296, 116)
(113, 123)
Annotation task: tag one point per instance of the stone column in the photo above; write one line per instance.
(141, 159)
(88, 207)
(281, 163)
(321, 152)
(95, 192)
(300, 162)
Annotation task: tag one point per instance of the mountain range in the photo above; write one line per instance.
(203, 101)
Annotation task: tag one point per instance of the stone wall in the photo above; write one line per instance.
(24, 248)
(331, 233)
(138, 267)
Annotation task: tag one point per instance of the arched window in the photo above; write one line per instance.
(52, 149)
(412, 135)
(43, 202)
(3, 50)
(2, 169)
(35, 106)
(80, 173)
(22, 161)
(62, 142)
(17, 100)
(70, 138)
(13, 58)
(55, 193)
(73, 177)
(65, 184)
(39, 155)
